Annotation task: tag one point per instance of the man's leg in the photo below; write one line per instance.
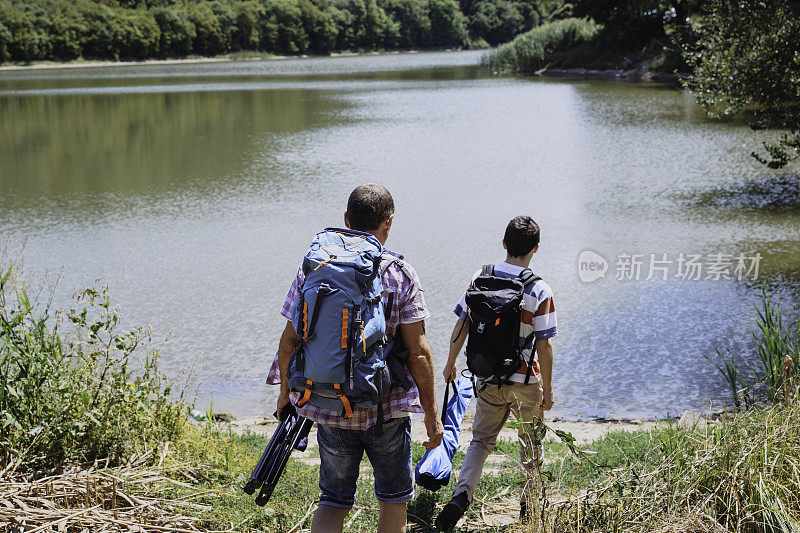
(526, 402)
(328, 519)
(491, 414)
(389, 453)
(340, 453)
(393, 517)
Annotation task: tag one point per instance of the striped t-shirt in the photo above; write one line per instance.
(538, 316)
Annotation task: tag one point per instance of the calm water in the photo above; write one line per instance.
(193, 190)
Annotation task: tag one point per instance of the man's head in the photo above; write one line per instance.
(370, 208)
(522, 237)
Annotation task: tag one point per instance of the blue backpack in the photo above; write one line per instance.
(342, 360)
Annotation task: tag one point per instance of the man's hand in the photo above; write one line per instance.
(283, 401)
(435, 429)
(547, 398)
(450, 372)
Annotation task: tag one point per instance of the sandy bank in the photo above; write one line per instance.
(583, 431)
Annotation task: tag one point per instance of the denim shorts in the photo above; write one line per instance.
(389, 452)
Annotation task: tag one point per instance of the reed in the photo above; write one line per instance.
(535, 49)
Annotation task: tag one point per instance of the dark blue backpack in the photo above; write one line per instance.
(341, 360)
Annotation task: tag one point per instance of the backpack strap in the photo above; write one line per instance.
(388, 259)
(527, 277)
(487, 270)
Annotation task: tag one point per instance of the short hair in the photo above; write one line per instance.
(368, 206)
(522, 236)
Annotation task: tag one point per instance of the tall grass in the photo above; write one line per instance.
(91, 392)
(535, 49)
(778, 348)
(777, 343)
(739, 476)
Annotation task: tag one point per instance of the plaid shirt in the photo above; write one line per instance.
(408, 306)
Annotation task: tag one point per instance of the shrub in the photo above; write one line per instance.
(537, 48)
(83, 396)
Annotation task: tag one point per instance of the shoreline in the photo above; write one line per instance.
(630, 75)
(226, 58)
(584, 431)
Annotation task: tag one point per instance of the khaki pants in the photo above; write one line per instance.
(491, 414)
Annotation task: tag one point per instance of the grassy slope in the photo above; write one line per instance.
(742, 472)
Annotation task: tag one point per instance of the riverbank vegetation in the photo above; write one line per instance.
(64, 30)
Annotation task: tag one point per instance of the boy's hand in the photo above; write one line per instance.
(450, 372)
(547, 398)
(435, 429)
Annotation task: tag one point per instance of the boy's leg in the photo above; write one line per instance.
(340, 453)
(491, 414)
(526, 406)
(389, 453)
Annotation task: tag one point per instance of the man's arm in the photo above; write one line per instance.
(457, 340)
(420, 363)
(286, 347)
(544, 350)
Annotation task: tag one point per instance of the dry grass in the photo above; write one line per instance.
(124, 498)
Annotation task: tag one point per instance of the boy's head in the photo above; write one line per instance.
(370, 208)
(522, 236)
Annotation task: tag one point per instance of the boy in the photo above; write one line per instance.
(526, 401)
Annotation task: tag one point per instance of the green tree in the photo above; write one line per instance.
(29, 37)
(448, 24)
(496, 22)
(247, 36)
(101, 26)
(137, 35)
(210, 36)
(413, 21)
(177, 32)
(290, 37)
(319, 26)
(747, 59)
(5, 40)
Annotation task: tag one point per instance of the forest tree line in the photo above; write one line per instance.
(64, 30)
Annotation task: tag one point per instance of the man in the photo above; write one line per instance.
(342, 441)
(525, 401)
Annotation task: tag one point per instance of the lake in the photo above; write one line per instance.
(193, 190)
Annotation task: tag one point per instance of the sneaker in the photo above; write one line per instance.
(452, 512)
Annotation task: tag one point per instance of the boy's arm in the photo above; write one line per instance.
(457, 339)
(420, 364)
(286, 347)
(544, 351)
